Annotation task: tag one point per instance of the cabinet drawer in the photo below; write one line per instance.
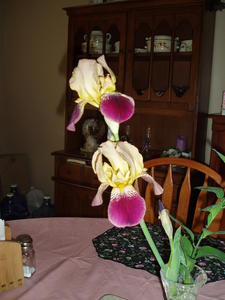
(75, 201)
(68, 169)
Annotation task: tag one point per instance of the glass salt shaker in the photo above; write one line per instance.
(28, 254)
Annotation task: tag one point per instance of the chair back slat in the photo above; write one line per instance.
(202, 201)
(184, 198)
(149, 202)
(167, 196)
(150, 205)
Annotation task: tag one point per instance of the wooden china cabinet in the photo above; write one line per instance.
(168, 86)
(218, 143)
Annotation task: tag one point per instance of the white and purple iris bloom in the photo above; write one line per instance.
(93, 87)
(119, 164)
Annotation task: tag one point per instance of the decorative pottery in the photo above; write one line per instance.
(162, 43)
(93, 130)
(186, 46)
(117, 46)
(96, 42)
(108, 45)
(148, 43)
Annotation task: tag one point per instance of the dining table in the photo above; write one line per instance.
(69, 268)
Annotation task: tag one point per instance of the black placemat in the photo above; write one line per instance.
(129, 247)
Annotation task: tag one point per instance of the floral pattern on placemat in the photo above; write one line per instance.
(129, 247)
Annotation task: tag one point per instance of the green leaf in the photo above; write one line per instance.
(218, 232)
(210, 251)
(186, 245)
(220, 204)
(213, 210)
(216, 190)
(207, 232)
(188, 261)
(182, 225)
(186, 275)
(175, 257)
(221, 156)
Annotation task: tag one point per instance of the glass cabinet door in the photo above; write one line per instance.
(138, 57)
(161, 62)
(114, 44)
(161, 58)
(102, 35)
(184, 60)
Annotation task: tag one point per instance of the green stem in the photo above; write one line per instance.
(196, 247)
(171, 252)
(114, 137)
(152, 245)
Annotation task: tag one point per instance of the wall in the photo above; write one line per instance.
(3, 114)
(33, 61)
(218, 74)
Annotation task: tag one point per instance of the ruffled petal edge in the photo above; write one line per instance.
(126, 207)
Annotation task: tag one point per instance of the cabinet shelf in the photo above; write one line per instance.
(145, 54)
(95, 56)
(182, 56)
(162, 54)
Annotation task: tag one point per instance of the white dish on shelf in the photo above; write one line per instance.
(140, 50)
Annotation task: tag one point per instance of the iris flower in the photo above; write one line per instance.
(93, 87)
(119, 165)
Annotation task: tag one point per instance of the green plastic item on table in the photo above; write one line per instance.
(111, 297)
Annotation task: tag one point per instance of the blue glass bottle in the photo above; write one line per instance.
(19, 205)
(46, 209)
(7, 212)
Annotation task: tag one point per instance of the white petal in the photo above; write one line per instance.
(98, 197)
(158, 190)
(116, 161)
(85, 80)
(101, 60)
(97, 165)
(131, 153)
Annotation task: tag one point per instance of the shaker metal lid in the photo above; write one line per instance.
(24, 239)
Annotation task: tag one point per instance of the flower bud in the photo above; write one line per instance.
(165, 220)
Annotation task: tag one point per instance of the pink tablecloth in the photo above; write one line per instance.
(68, 267)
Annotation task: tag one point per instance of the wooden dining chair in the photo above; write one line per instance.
(178, 177)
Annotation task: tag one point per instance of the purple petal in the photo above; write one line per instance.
(161, 207)
(117, 107)
(126, 208)
(76, 115)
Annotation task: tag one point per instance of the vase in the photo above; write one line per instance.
(181, 291)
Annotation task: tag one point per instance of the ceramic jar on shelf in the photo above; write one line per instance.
(162, 43)
(96, 42)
